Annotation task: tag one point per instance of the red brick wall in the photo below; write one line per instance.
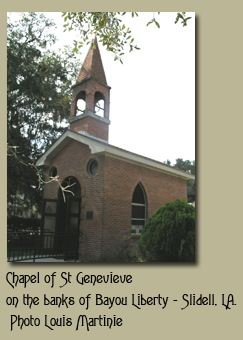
(93, 126)
(109, 193)
(72, 161)
(121, 179)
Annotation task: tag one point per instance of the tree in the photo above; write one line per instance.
(169, 235)
(38, 101)
(188, 166)
(168, 162)
(108, 28)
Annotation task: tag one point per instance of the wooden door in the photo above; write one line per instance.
(72, 226)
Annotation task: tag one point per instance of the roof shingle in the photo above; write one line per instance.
(92, 65)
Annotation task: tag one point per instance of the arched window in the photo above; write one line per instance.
(138, 209)
(53, 172)
(81, 103)
(99, 103)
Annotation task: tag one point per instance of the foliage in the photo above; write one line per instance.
(38, 100)
(191, 191)
(182, 16)
(169, 235)
(108, 28)
(188, 166)
(168, 162)
(23, 224)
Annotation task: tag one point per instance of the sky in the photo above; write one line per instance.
(152, 98)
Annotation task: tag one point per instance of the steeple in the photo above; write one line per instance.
(92, 65)
(91, 97)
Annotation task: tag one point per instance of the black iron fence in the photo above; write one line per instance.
(32, 245)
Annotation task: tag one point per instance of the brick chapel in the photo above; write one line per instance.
(110, 192)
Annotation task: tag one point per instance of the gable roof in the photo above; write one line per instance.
(99, 147)
(92, 65)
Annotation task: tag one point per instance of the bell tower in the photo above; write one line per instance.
(90, 104)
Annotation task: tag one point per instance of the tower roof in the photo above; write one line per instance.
(92, 65)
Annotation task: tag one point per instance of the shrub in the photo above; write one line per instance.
(121, 252)
(15, 223)
(169, 235)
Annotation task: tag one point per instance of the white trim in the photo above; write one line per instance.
(89, 114)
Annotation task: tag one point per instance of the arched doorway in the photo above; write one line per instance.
(61, 219)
